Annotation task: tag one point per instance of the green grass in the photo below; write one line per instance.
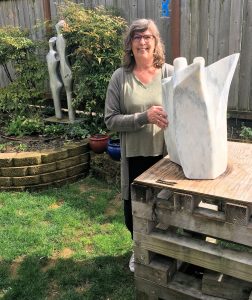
(66, 243)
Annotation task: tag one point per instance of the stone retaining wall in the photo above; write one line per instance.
(105, 168)
(37, 170)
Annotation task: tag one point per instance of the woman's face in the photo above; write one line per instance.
(143, 45)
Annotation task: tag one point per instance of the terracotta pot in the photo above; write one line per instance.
(98, 142)
(114, 149)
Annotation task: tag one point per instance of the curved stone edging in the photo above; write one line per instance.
(37, 170)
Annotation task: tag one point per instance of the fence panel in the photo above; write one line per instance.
(210, 28)
(214, 29)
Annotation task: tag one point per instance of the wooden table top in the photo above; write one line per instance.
(233, 185)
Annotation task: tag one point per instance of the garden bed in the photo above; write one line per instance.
(38, 143)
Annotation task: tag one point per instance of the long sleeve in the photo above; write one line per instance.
(115, 117)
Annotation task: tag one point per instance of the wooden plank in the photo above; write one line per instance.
(199, 253)
(133, 15)
(246, 115)
(234, 184)
(165, 33)
(185, 29)
(237, 214)
(14, 13)
(109, 4)
(144, 226)
(142, 256)
(205, 221)
(140, 8)
(53, 9)
(203, 30)
(182, 287)
(194, 30)
(20, 13)
(246, 57)
(220, 285)
(224, 27)
(39, 17)
(160, 270)
(174, 45)
(235, 47)
(149, 10)
(214, 10)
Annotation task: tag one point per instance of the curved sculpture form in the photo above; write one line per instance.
(60, 73)
(52, 59)
(65, 69)
(195, 99)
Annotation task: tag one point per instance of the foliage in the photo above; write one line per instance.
(94, 37)
(67, 243)
(22, 125)
(246, 132)
(87, 125)
(67, 131)
(30, 71)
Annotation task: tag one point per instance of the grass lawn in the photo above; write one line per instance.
(66, 243)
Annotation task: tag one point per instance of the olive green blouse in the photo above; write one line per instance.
(138, 97)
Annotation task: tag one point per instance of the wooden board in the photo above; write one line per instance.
(183, 287)
(198, 252)
(233, 185)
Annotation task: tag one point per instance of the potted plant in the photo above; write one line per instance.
(98, 142)
(113, 148)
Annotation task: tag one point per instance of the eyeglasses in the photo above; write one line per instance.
(147, 38)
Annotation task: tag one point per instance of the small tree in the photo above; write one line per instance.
(28, 86)
(94, 38)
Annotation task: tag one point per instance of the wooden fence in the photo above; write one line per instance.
(209, 28)
(214, 29)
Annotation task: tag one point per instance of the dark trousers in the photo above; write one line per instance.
(137, 165)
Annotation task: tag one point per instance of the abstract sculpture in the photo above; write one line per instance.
(195, 99)
(60, 72)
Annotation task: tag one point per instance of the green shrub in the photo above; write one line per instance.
(67, 131)
(94, 39)
(22, 125)
(28, 85)
(246, 132)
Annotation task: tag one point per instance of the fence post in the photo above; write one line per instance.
(175, 28)
(47, 15)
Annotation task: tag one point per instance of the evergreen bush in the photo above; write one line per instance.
(28, 85)
(94, 39)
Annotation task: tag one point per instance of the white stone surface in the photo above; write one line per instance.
(195, 99)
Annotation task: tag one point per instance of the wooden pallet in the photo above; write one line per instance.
(202, 223)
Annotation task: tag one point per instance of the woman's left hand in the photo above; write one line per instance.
(157, 115)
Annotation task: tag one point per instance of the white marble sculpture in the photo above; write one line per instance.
(58, 63)
(52, 59)
(195, 99)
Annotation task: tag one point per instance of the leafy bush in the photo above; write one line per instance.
(28, 86)
(94, 39)
(22, 125)
(246, 132)
(67, 131)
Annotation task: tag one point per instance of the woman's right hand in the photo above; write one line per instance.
(157, 115)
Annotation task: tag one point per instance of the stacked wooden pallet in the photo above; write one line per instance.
(193, 238)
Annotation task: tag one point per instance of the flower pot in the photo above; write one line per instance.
(114, 149)
(98, 142)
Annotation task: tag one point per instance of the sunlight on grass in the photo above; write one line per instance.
(67, 243)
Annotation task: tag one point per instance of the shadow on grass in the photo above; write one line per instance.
(95, 199)
(37, 278)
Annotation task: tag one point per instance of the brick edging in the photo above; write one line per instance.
(37, 170)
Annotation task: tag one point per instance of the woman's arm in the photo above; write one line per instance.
(114, 118)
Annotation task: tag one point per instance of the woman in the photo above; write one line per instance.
(133, 106)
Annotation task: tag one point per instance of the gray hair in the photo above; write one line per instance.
(141, 25)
